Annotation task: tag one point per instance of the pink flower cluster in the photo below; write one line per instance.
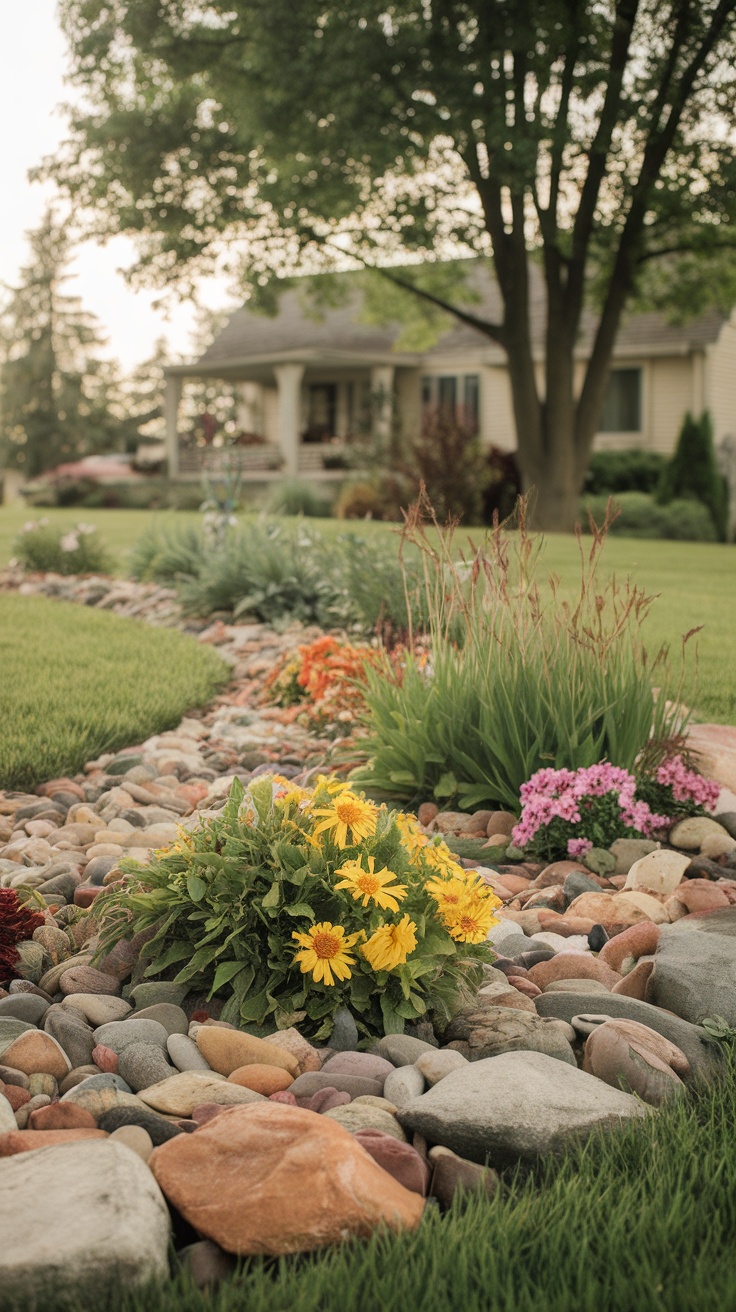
(687, 785)
(563, 794)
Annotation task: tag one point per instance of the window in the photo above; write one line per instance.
(322, 412)
(455, 395)
(622, 407)
(471, 398)
(447, 394)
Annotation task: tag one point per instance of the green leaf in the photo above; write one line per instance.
(300, 909)
(271, 899)
(446, 785)
(224, 973)
(176, 952)
(254, 1007)
(393, 1021)
(196, 887)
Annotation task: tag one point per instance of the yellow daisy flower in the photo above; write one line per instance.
(390, 945)
(471, 920)
(413, 838)
(348, 814)
(448, 892)
(371, 884)
(325, 951)
(440, 858)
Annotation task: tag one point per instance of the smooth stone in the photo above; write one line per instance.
(658, 872)
(7, 1115)
(72, 1033)
(173, 1019)
(154, 991)
(344, 1036)
(98, 1008)
(366, 1064)
(629, 850)
(437, 1065)
(144, 1064)
(51, 981)
(99, 1099)
(362, 1116)
(502, 1029)
(400, 1160)
(87, 979)
(119, 1034)
(40, 1083)
(292, 1041)
(120, 1232)
(35, 1052)
(25, 1141)
(226, 1050)
(632, 1057)
(185, 1054)
(206, 1264)
(322, 1101)
(10, 1030)
(452, 1175)
(689, 1038)
(158, 1129)
(180, 1094)
(61, 1116)
(312, 1081)
(401, 1049)
(695, 971)
(273, 1179)
(10, 1076)
(573, 986)
(519, 1105)
(573, 965)
(134, 1137)
(76, 1076)
(404, 1084)
(262, 1079)
(29, 1007)
(689, 833)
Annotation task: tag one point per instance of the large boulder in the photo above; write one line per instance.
(688, 1038)
(695, 967)
(515, 1106)
(77, 1219)
(633, 1057)
(272, 1179)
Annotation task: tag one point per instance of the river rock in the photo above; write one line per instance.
(403, 1084)
(119, 1034)
(292, 1041)
(157, 1127)
(87, 979)
(273, 1179)
(262, 1079)
(440, 1063)
(72, 1033)
(35, 1052)
(452, 1175)
(98, 1008)
(401, 1049)
(690, 832)
(636, 941)
(225, 1050)
(694, 968)
(180, 1094)
(519, 1105)
(173, 1019)
(185, 1054)
(658, 872)
(400, 1160)
(30, 1007)
(361, 1115)
(572, 965)
(632, 1057)
(305, 1085)
(120, 1231)
(144, 1064)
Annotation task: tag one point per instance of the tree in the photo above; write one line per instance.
(55, 391)
(592, 136)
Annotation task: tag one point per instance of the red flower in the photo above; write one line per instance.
(16, 924)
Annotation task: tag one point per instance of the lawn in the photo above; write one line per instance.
(78, 682)
(696, 583)
(640, 1220)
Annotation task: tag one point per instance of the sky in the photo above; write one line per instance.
(33, 62)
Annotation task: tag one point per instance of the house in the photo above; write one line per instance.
(306, 383)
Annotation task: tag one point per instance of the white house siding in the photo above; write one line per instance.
(408, 401)
(720, 382)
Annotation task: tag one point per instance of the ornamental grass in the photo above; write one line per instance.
(292, 903)
(520, 676)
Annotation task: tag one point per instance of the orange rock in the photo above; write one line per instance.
(515, 883)
(525, 986)
(62, 1116)
(636, 941)
(24, 1141)
(557, 873)
(292, 1041)
(272, 1179)
(226, 1050)
(36, 1053)
(262, 1079)
(634, 985)
(701, 895)
(573, 965)
(16, 1096)
(565, 925)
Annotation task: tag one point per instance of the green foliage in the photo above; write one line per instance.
(76, 549)
(239, 895)
(77, 682)
(518, 678)
(558, 1237)
(641, 516)
(447, 457)
(693, 472)
(296, 497)
(624, 471)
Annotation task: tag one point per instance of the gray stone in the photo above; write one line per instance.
(185, 1054)
(519, 1105)
(71, 1032)
(76, 1219)
(366, 1064)
(159, 1129)
(506, 1029)
(578, 883)
(404, 1084)
(440, 1063)
(362, 1116)
(728, 820)
(573, 986)
(695, 968)
(503, 933)
(689, 1038)
(30, 1007)
(11, 1029)
(7, 1116)
(105, 1080)
(356, 1085)
(629, 850)
(173, 1019)
(153, 991)
(119, 1034)
(401, 1049)
(690, 832)
(344, 1036)
(144, 1064)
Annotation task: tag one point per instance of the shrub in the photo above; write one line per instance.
(624, 471)
(379, 498)
(693, 472)
(327, 677)
(567, 812)
(168, 554)
(447, 457)
(294, 497)
(503, 485)
(640, 516)
(518, 678)
(676, 790)
(44, 547)
(294, 903)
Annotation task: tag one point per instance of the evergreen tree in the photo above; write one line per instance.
(693, 471)
(57, 397)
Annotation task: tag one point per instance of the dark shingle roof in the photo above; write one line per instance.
(300, 328)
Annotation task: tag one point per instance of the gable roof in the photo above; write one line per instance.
(298, 332)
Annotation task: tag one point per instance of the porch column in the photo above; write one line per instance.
(382, 400)
(289, 383)
(172, 401)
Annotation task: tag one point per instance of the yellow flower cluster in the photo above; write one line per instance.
(325, 949)
(465, 902)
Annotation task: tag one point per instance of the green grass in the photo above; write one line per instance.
(78, 682)
(636, 1221)
(696, 583)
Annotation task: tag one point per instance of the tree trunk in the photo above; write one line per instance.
(554, 493)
